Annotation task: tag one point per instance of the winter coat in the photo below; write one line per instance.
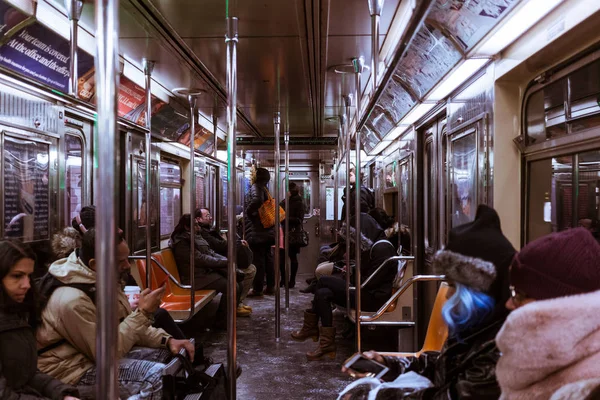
(206, 261)
(19, 375)
(296, 213)
(367, 201)
(256, 234)
(548, 344)
(244, 255)
(71, 315)
(462, 370)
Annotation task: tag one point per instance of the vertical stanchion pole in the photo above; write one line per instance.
(276, 258)
(107, 81)
(148, 68)
(231, 40)
(74, 8)
(375, 7)
(359, 64)
(348, 102)
(286, 245)
(192, 104)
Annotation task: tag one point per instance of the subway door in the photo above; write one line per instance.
(136, 218)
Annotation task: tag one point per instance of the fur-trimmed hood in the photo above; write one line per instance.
(548, 344)
(470, 271)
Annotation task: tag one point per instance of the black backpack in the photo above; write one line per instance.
(46, 285)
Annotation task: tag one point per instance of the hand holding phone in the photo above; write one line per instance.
(362, 365)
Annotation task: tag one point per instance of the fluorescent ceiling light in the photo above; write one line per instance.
(222, 155)
(515, 24)
(396, 30)
(456, 78)
(53, 19)
(380, 147)
(396, 132)
(416, 113)
(24, 5)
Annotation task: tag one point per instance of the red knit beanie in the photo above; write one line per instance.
(560, 264)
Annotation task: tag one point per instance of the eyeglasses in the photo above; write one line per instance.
(516, 296)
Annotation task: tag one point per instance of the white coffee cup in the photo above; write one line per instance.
(132, 293)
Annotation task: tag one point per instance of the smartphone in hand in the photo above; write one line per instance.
(359, 366)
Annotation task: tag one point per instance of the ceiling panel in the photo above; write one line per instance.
(352, 18)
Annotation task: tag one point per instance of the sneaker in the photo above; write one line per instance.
(242, 312)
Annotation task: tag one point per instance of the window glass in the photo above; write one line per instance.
(225, 199)
(140, 217)
(390, 175)
(304, 192)
(26, 190)
(464, 179)
(404, 219)
(429, 194)
(74, 180)
(170, 197)
(588, 199)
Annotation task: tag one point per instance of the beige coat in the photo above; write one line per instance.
(548, 344)
(71, 315)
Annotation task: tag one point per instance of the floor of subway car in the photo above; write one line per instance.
(277, 369)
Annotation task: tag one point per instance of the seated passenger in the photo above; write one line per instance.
(65, 242)
(67, 335)
(210, 268)
(391, 227)
(19, 316)
(475, 263)
(219, 245)
(553, 336)
(331, 289)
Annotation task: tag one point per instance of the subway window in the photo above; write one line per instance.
(74, 182)
(170, 196)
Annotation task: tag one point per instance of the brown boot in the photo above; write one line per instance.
(310, 328)
(326, 345)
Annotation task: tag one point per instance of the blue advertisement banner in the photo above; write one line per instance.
(39, 53)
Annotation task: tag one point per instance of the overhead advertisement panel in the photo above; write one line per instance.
(369, 139)
(397, 101)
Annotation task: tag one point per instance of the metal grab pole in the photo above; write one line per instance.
(215, 121)
(74, 8)
(348, 102)
(276, 258)
(375, 7)
(148, 68)
(358, 64)
(231, 40)
(107, 81)
(286, 137)
(192, 103)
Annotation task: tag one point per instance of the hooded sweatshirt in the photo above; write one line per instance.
(548, 344)
(71, 315)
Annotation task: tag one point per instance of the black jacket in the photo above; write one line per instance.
(256, 234)
(19, 376)
(244, 255)
(367, 201)
(206, 261)
(462, 370)
(295, 215)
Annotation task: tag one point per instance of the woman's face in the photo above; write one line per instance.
(18, 280)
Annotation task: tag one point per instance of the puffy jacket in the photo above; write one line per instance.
(219, 245)
(548, 344)
(256, 234)
(71, 315)
(206, 261)
(296, 211)
(367, 201)
(462, 370)
(19, 376)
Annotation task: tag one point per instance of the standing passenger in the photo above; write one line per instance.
(553, 336)
(259, 238)
(19, 315)
(295, 216)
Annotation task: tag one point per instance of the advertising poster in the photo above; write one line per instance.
(37, 52)
(9, 18)
(169, 123)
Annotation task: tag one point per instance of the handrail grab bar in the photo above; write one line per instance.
(403, 288)
(164, 269)
(392, 258)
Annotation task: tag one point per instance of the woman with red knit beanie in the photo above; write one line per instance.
(553, 336)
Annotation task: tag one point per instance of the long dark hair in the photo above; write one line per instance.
(11, 252)
(182, 226)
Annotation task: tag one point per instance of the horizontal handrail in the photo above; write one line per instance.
(403, 288)
(164, 269)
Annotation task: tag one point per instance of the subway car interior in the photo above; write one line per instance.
(399, 117)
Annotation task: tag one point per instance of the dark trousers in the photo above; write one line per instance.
(263, 261)
(332, 289)
(162, 319)
(293, 253)
(220, 286)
